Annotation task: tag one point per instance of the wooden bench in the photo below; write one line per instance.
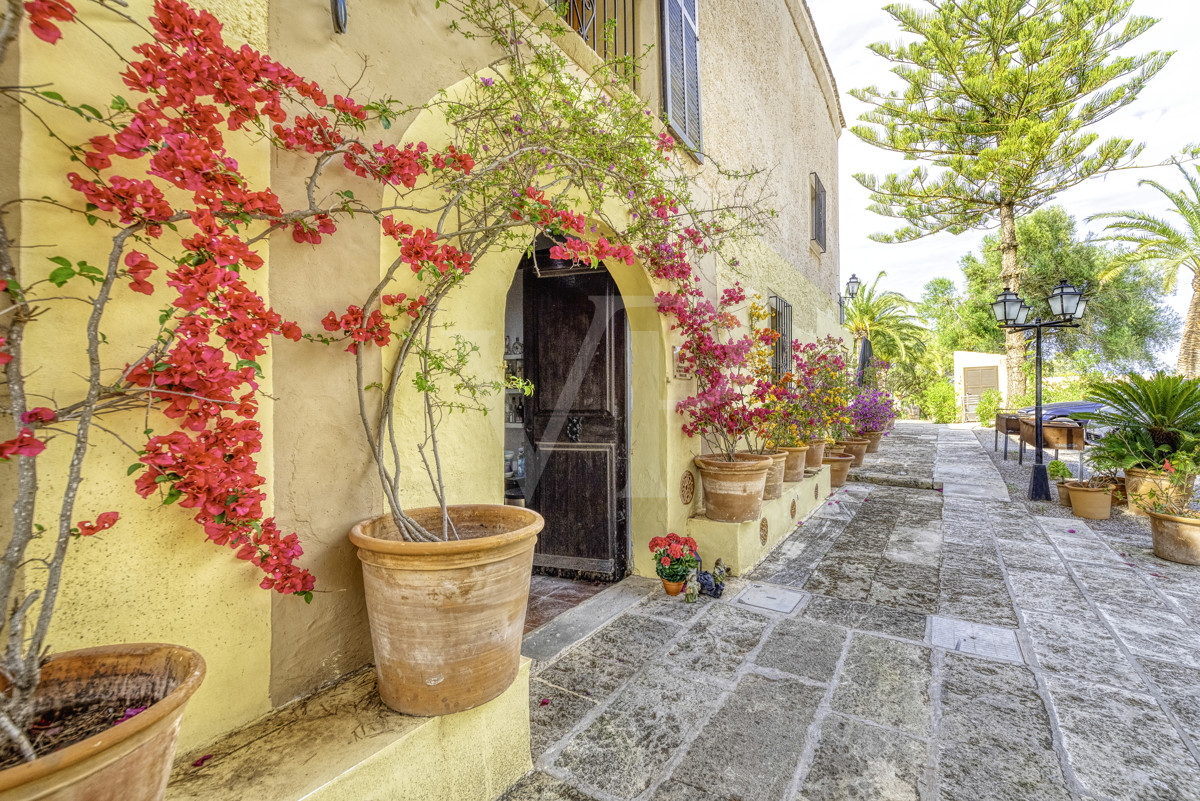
(1007, 422)
(1056, 436)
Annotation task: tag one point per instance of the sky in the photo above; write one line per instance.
(1166, 116)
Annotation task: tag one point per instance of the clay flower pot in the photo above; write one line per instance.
(856, 448)
(447, 617)
(1140, 483)
(794, 467)
(1176, 539)
(130, 761)
(1091, 503)
(775, 474)
(873, 439)
(672, 587)
(733, 491)
(839, 468)
(1064, 493)
(816, 450)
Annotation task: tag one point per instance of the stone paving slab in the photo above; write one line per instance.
(846, 696)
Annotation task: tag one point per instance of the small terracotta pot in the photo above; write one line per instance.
(1091, 503)
(1120, 496)
(1176, 539)
(447, 617)
(839, 468)
(733, 491)
(856, 448)
(672, 587)
(873, 439)
(130, 761)
(794, 468)
(816, 450)
(1064, 494)
(1140, 483)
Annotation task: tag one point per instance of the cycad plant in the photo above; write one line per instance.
(1154, 416)
(886, 318)
(1159, 243)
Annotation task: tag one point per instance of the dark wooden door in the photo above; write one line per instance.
(575, 355)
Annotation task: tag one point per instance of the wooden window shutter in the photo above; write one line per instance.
(681, 70)
(818, 212)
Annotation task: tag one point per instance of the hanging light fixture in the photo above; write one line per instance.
(1064, 301)
(852, 286)
(340, 14)
(1007, 307)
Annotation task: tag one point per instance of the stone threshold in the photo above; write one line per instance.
(342, 743)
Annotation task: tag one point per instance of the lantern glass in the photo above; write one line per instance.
(1006, 307)
(1022, 315)
(852, 286)
(1064, 300)
(1079, 307)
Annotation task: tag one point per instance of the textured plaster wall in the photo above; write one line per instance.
(152, 577)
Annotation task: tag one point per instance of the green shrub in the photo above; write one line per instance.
(1059, 470)
(939, 402)
(989, 404)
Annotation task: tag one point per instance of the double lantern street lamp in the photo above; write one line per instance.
(851, 290)
(1066, 308)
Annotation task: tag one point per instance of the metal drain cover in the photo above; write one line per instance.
(992, 642)
(765, 596)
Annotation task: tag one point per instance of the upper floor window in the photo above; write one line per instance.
(818, 211)
(681, 70)
(608, 26)
(781, 323)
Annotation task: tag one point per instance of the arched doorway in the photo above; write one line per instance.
(567, 445)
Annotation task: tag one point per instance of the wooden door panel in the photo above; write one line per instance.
(578, 492)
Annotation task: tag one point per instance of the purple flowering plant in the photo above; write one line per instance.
(872, 410)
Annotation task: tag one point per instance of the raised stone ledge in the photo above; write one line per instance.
(342, 744)
(741, 545)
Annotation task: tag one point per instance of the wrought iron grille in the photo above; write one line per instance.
(608, 26)
(781, 322)
(818, 212)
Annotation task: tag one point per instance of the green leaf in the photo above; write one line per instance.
(62, 275)
(133, 468)
(91, 110)
(172, 496)
(119, 103)
(61, 261)
(306, 595)
(249, 363)
(53, 96)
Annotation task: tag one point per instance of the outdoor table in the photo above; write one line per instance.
(1006, 423)
(1056, 435)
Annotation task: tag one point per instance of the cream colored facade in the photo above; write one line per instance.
(768, 100)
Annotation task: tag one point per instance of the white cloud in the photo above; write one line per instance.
(1166, 116)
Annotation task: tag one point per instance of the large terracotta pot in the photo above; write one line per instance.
(1064, 493)
(1139, 484)
(839, 468)
(873, 439)
(775, 473)
(1176, 539)
(856, 447)
(1091, 503)
(447, 617)
(733, 491)
(816, 450)
(130, 761)
(796, 458)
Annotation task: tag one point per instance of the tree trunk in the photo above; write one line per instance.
(1010, 277)
(1189, 347)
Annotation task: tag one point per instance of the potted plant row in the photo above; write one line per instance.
(446, 585)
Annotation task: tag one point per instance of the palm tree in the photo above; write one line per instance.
(1158, 243)
(885, 317)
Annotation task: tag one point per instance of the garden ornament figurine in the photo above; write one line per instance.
(691, 590)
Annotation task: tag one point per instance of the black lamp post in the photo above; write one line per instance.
(851, 290)
(1066, 308)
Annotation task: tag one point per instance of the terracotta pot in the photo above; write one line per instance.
(873, 439)
(1091, 503)
(130, 761)
(447, 617)
(733, 491)
(816, 450)
(774, 487)
(855, 447)
(1064, 494)
(1176, 539)
(839, 468)
(1120, 496)
(672, 587)
(794, 468)
(1140, 483)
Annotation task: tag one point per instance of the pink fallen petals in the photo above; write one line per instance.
(199, 763)
(131, 712)
(544, 702)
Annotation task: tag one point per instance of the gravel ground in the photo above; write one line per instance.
(1121, 526)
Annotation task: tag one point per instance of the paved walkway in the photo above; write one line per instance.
(901, 644)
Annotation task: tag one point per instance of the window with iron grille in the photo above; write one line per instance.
(608, 26)
(781, 323)
(681, 70)
(818, 211)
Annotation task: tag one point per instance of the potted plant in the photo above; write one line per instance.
(820, 378)
(1061, 474)
(674, 558)
(771, 408)
(1092, 499)
(870, 413)
(1149, 420)
(1174, 522)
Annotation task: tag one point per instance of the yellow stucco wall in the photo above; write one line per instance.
(153, 577)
